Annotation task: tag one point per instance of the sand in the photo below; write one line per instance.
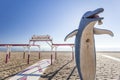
(16, 63)
(63, 67)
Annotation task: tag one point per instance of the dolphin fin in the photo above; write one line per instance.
(73, 33)
(102, 31)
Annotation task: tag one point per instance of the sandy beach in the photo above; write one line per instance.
(16, 63)
(63, 68)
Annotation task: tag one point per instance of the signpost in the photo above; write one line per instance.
(40, 37)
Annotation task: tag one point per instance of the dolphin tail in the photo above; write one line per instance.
(73, 33)
(103, 31)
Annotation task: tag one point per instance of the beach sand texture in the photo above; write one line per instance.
(63, 67)
(16, 63)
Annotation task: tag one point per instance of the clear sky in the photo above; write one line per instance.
(20, 19)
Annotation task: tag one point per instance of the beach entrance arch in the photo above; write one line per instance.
(40, 38)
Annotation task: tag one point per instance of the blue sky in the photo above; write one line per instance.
(20, 19)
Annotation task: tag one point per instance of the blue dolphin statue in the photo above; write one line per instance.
(85, 53)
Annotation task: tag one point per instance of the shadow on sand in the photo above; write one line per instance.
(52, 74)
(71, 73)
(3, 78)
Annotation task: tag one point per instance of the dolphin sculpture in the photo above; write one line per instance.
(85, 54)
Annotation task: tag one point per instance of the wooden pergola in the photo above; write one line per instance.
(42, 38)
(32, 41)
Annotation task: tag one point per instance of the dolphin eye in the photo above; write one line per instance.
(83, 17)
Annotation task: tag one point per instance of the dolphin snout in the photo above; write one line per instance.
(99, 10)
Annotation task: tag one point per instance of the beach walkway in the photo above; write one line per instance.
(33, 72)
(110, 57)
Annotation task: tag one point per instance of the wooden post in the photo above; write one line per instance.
(55, 53)
(72, 54)
(28, 61)
(39, 52)
(6, 60)
(51, 55)
(7, 55)
(24, 53)
(39, 55)
(28, 56)
(51, 59)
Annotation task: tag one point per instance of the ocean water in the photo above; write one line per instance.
(58, 49)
